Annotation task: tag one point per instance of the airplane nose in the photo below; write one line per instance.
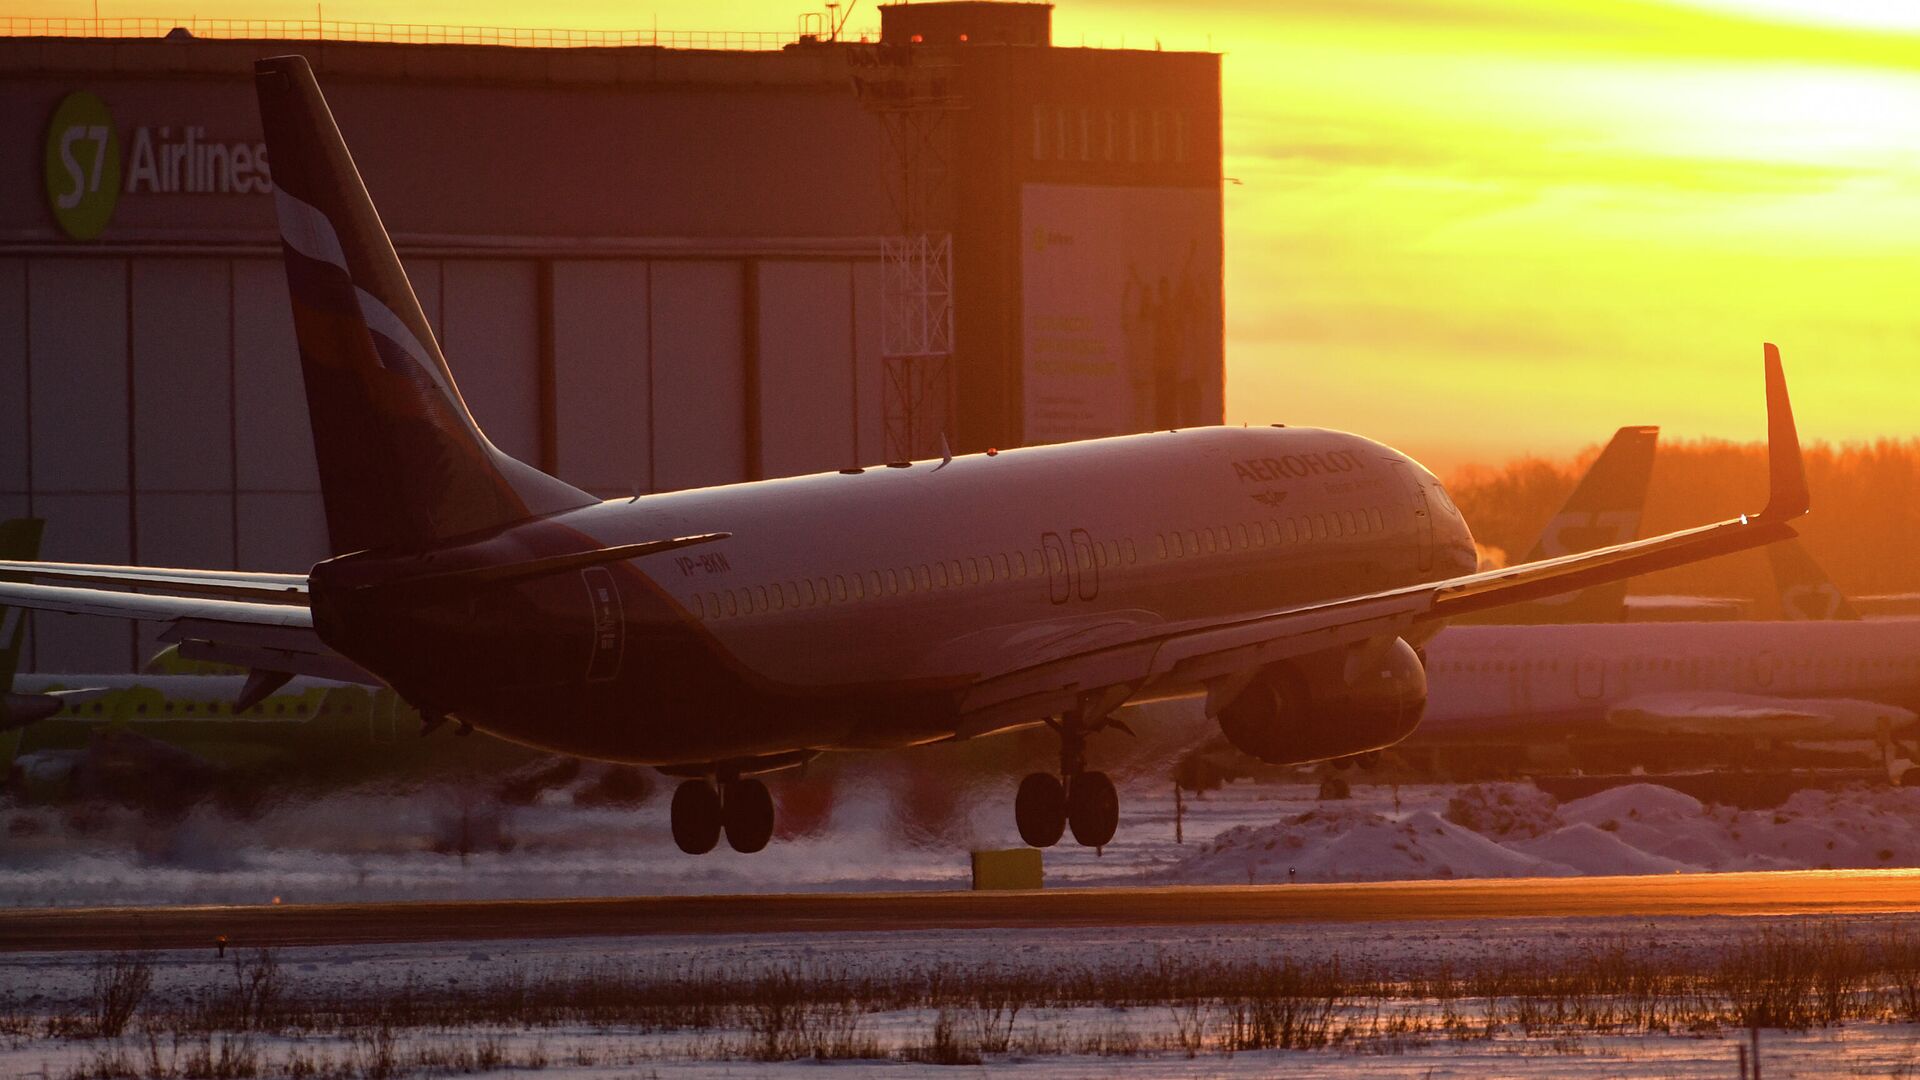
(1453, 541)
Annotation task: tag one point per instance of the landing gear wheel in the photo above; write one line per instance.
(1041, 809)
(748, 816)
(1093, 808)
(696, 817)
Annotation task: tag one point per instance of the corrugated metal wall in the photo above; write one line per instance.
(151, 408)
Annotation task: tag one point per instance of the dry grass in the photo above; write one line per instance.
(952, 1014)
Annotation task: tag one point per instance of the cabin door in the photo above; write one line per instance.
(1422, 514)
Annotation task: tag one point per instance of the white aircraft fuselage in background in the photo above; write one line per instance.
(1789, 679)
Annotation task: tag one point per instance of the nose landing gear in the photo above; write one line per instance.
(741, 808)
(1082, 799)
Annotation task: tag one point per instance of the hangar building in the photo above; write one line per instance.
(652, 265)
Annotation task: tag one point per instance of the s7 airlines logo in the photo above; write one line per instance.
(85, 174)
(1811, 602)
(82, 165)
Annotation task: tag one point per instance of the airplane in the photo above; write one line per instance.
(166, 737)
(1819, 674)
(1615, 687)
(1287, 575)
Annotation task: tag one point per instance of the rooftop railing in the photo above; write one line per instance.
(399, 33)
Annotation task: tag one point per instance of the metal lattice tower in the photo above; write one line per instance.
(911, 91)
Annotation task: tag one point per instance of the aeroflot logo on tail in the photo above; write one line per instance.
(1297, 466)
(85, 174)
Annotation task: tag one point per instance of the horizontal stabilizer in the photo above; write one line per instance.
(23, 710)
(235, 584)
(473, 577)
(261, 684)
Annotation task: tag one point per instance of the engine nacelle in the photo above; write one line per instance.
(1329, 705)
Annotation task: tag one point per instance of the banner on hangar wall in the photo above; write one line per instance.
(1121, 310)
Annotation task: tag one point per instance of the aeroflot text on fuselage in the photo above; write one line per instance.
(1297, 466)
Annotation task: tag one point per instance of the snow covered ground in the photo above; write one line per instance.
(1400, 1032)
(441, 843)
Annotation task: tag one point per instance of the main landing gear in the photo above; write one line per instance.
(741, 808)
(1078, 798)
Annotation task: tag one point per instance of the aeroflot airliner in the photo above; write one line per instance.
(1288, 575)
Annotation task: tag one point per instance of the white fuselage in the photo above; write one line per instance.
(1528, 683)
(857, 609)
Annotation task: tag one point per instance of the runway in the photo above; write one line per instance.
(1811, 892)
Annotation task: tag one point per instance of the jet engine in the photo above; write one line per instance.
(1329, 705)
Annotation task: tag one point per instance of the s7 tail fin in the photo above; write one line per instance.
(1806, 592)
(402, 463)
(1605, 508)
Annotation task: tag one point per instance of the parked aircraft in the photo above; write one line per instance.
(1819, 674)
(163, 739)
(1642, 682)
(1287, 575)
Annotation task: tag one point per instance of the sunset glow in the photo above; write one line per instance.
(1480, 228)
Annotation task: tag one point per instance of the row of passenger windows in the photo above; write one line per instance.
(907, 580)
(1273, 531)
(1087, 555)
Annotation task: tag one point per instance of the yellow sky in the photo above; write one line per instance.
(1480, 228)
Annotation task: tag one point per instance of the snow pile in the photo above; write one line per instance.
(1504, 811)
(1634, 802)
(1590, 850)
(1353, 844)
(1508, 830)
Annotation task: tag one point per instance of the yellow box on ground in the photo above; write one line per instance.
(1017, 868)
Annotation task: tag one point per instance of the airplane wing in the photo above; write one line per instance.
(256, 620)
(1758, 716)
(273, 634)
(237, 584)
(1214, 651)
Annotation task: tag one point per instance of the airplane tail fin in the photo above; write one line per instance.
(1605, 508)
(1806, 592)
(402, 463)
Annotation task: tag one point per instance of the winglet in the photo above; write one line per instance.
(1787, 496)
